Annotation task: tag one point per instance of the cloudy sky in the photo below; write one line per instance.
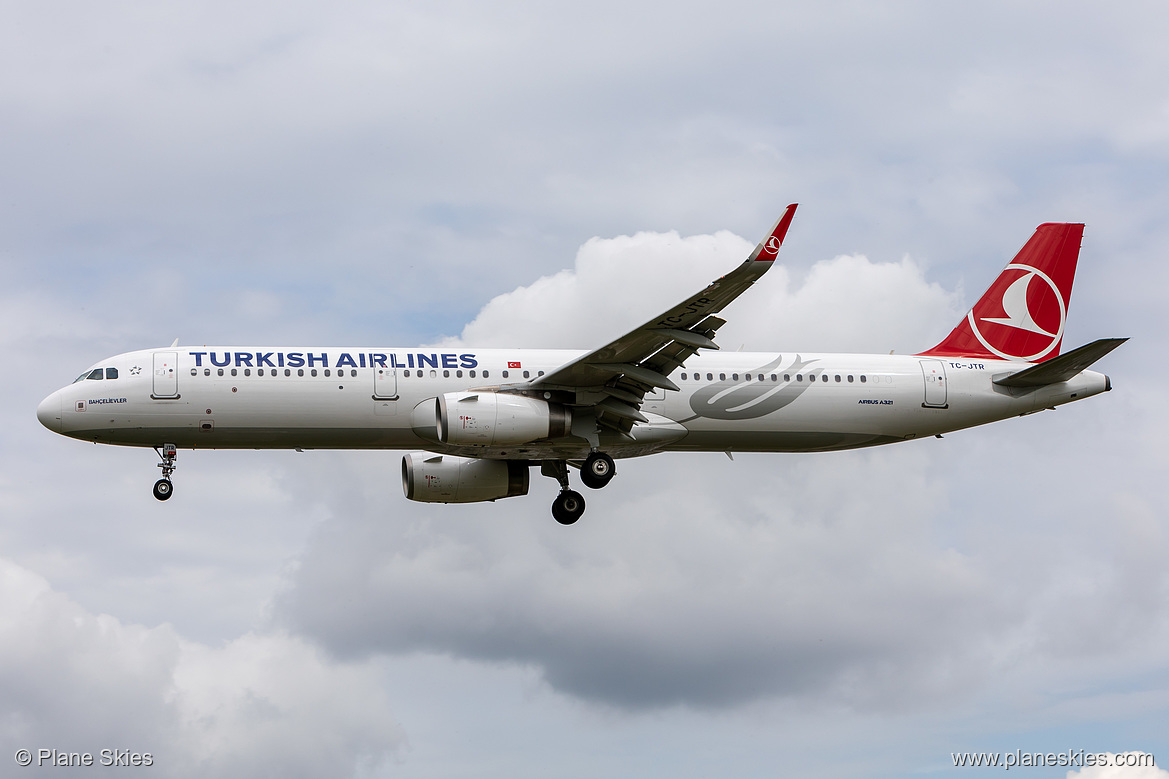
(549, 175)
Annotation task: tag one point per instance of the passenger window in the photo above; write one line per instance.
(539, 373)
(683, 377)
(472, 374)
(260, 372)
(863, 379)
(787, 377)
(458, 374)
(838, 377)
(485, 374)
(734, 377)
(287, 371)
(353, 373)
(774, 378)
(206, 371)
(527, 374)
(326, 373)
(761, 377)
(505, 374)
(313, 372)
(799, 377)
(247, 371)
(111, 373)
(221, 371)
(722, 377)
(747, 376)
(850, 378)
(434, 374)
(446, 374)
(194, 372)
(300, 371)
(710, 377)
(234, 371)
(823, 377)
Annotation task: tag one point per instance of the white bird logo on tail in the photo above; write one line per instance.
(1018, 314)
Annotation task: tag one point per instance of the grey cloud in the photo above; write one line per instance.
(791, 586)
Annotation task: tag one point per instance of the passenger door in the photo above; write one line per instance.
(166, 375)
(934, 373)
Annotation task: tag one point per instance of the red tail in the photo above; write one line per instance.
(1022, 315)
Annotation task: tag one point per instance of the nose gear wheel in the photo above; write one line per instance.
(163, 488)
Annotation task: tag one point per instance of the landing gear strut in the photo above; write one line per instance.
(163, 488)
(569, 504)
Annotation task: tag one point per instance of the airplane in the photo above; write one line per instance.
(480, 419)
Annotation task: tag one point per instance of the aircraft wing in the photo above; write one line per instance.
(623, 371)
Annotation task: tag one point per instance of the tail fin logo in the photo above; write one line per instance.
(1029, 321)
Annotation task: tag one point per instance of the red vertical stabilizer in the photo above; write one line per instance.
(1022, 315)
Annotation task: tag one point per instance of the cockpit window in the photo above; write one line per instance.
(98, 373)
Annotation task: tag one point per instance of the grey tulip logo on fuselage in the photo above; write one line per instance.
(751, 399)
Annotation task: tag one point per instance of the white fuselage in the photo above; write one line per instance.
(381, 398)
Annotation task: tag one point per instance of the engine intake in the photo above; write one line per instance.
(498, 419)
(444, 478)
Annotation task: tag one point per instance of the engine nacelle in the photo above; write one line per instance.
(498, 419)
(444, 478)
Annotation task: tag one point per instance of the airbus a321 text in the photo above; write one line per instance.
(485, 417)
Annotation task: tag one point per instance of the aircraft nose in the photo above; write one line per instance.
(49, 412)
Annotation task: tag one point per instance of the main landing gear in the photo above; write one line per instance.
(569, 504)
(163, 489)
(597, 471)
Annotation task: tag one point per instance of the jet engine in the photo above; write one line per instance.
(443, 478)
(498, 419)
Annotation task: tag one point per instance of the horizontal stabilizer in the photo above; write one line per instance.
(1061, 368)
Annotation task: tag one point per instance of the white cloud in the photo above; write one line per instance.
(848, 303)
(80, 682)
(1123, 765)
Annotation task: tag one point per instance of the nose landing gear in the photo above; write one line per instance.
(163, 488)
